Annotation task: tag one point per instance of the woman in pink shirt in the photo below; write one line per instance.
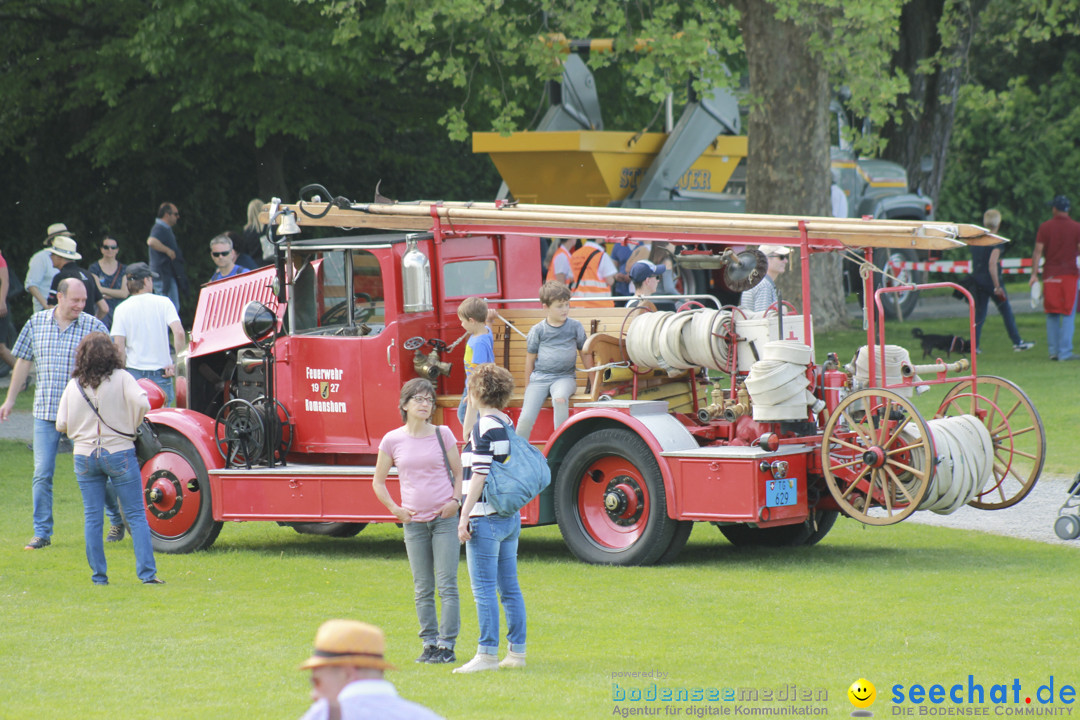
(429, 479)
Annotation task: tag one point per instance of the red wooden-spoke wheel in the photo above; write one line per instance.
(877, 455)
(1016, 429)
(610, 503)
(176, 489)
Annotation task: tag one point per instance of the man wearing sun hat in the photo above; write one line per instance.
(41, 270)
(64, 251)
(347, 682)
(763, 295)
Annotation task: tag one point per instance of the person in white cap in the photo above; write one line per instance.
(64, 252)
(763, 295)
(41, 270)
(347, 681)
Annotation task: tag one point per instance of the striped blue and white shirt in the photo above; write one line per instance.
(489, 442)
(52, 350)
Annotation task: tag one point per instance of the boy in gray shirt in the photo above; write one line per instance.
(551, 353)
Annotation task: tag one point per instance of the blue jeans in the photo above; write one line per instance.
(93, 473)
(434, 552)
(159, 379)
(982, 297)
(1059, 333)
(492, 557)
(166, 285)
(46, 440)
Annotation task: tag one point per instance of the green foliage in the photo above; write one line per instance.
(499, 52)
(111, 108)
(1014, 149)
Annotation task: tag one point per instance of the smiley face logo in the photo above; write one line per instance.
(862, 693)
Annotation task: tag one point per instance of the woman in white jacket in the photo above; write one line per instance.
(100, 410)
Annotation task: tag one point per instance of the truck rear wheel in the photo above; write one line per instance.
(610, 504)
(177, 493)
(805, 533)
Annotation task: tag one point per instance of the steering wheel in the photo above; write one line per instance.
(336, 314)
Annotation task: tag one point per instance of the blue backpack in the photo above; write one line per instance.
(511, 484)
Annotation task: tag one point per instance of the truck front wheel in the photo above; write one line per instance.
(610, 504)
(177, 494)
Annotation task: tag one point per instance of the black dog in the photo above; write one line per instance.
(947, 343)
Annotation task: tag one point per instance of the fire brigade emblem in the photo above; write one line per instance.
(324, 390)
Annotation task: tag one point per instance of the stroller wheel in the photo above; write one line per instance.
(1067, 527)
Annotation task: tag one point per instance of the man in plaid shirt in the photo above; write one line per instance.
(49, 339)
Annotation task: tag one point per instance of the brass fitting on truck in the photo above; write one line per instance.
(741, 406)
(429, 365)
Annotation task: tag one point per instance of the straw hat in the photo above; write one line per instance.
(348, 643)
(56, 230)
(65, 247)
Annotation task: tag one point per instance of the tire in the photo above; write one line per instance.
(1067, 527)
(176, 489)
(615, 466)
(897, 304)
(329, 529)
(782, 536)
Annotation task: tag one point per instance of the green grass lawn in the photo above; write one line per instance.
(906, 604)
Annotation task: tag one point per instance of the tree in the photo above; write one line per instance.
(111, 108)
(938, 38)
(495, 51)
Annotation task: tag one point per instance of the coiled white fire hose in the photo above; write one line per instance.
(964, 462)
(778, 385)
(895, 358)
(680, 341)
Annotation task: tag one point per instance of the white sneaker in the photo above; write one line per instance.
(481, 662)
(513, 660)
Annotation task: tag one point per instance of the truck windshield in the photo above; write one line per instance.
(337, 292)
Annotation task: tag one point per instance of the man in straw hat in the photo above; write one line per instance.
(64, 252)
(49, 339)
(41, 270)
(347, 682)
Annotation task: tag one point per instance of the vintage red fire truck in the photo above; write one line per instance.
(705, 414)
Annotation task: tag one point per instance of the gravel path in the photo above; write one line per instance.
(1031, 519)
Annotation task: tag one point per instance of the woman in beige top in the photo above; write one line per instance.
(105, 449)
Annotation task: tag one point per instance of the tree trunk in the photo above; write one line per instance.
(270, 169)
(788, 163)
(923, 124)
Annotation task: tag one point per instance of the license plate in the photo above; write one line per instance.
(779, 493)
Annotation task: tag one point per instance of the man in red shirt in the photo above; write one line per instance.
(1059, 240)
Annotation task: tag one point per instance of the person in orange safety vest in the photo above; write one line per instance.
(592, 273)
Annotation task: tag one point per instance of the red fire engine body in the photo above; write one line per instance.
(293, 376)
